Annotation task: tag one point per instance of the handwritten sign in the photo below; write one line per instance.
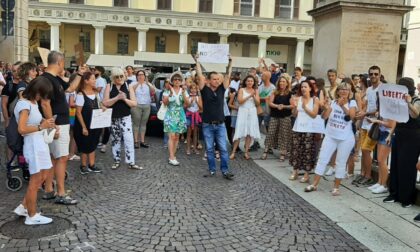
(392, 104)
(79, 54)
(213, 53)
(306, 124)
(43, 53)
(101, 119)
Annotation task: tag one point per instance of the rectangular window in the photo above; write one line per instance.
(44, 38)
(205, 6)
(122, 43)
(296, 9)
(84, 38)
(121, 3)
(160, 44)
(236, 7)
(194, 45)
(77, 1)
(164, 5)
(283, 9)
(257, 8)
(246, 7)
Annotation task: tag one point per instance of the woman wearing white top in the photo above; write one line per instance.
(140, 113)
(247, 118)
(35, 150)
(338, 137)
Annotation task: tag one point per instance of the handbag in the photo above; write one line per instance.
(374, 132)
(162, 112)
(48, 135)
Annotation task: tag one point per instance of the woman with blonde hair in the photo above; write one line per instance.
(280, 126)
(121, 98)
(339, 137)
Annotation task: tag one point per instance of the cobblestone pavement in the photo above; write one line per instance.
(165, 208)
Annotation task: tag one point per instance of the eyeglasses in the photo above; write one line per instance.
(119, 77)
(373, 74)
(140, 74)
(176, 79)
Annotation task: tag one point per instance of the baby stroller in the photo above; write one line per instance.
(14, 183)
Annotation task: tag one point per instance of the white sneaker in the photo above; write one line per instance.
(103, 148)
(380, 189)
(373, 187)
(330, 171)
(173, 162)
(21, 211)
(37, 219)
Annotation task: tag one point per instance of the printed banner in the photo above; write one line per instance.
(392, 104)
(213, 53)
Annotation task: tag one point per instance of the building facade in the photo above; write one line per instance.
(134, 32)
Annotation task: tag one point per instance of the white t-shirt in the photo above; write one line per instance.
(132, 78)
(34, 118)
(337, 127)
(371, 96)
(101, 83)
(235, 84)
(80, 100)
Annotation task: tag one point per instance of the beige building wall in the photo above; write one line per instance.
(172, 40)
(108, 3)
(304, 7)
(267, 8)
(54, 1)
(185, 6)
(69, 35)
(223, 7)
(144, 5)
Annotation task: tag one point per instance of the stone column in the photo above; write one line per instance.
(183, 42)
(55, 36)
(141, 42)
(352, 36)
(300, 52)
(223, 38)
(262, 46)
(99, 39)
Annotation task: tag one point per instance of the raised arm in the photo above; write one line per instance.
(75, 83)
(226, 81)
(200, 77)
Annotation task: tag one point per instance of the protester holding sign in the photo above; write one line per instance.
(87, 139)
(405, 151)
(303, 138)
(338, 136)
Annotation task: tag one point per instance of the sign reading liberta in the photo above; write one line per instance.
(392, 104)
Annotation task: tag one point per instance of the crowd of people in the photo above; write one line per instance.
(215, 110)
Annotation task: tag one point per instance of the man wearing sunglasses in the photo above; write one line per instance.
(214, 129)
(368, 144)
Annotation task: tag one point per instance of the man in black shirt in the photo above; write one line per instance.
(214, 129)
(57, 106)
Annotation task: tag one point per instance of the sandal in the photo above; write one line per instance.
(264, 155)
(294, 176)
(310, 188)
(199, 147)
(282, 158)
(115, 165)
(246, 156)
(335, 192)
(304, 180)
(135, 167)
(232, 156)
(136, 145)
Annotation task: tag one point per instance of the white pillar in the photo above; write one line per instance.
(300, 52)
(183, 42)
(99, 39)
(55, 36)
(223, 38)
(262, 46)
(141, 41)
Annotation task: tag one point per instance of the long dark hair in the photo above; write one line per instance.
(37, 87)
(311, 86)
(246, 78)
(82, 84)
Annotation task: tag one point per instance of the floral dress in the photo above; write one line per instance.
(175, 120)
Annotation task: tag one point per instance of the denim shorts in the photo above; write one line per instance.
(382, 137)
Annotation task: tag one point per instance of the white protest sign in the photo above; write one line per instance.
(306, 124)
(392, 104)
(101, 119)
(213, 53)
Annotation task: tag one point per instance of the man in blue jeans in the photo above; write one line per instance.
(214, 129)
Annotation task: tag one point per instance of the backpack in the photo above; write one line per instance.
(13, 138)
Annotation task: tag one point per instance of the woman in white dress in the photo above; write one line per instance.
(247, 118)
(35, 150)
